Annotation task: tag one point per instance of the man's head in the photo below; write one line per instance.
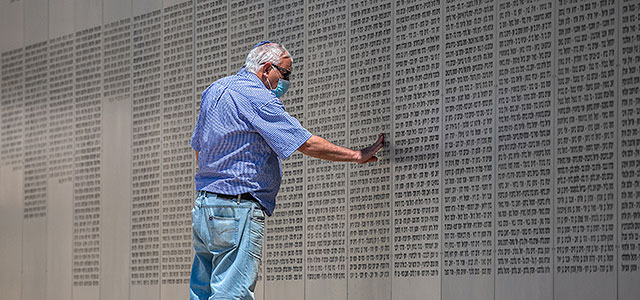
(270, 62)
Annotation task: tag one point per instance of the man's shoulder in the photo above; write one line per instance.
(240, 89)
(244, 86)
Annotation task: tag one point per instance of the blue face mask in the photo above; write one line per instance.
(281, 89)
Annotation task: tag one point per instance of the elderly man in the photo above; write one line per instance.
(242, 133)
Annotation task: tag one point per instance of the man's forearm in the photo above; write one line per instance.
(320, 148)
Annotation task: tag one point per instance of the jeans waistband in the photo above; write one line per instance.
(245, 196)
(242, 198)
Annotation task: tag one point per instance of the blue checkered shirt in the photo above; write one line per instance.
(242, 133)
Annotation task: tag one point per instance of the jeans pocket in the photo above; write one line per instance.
(223, 227)
(256, 234)
(258, 215)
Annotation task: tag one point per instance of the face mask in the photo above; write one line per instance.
(281, 89)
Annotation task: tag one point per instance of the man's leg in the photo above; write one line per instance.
(199, 288)
(235, 273)
(256, 240)
(228, 238)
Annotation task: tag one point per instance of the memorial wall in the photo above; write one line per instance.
(511, 168)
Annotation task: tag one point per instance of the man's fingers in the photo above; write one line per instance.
(379, 147)
(371, 150)
(379, 143)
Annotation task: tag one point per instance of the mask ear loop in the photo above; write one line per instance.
(269, 83)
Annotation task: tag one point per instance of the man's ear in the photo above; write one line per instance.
(266, 68)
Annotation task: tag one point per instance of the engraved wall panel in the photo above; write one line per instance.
(11, 136)
(177, 162)
(35, 129)
(468, 162)
(284, 231)
(523, 202)
(326, 70)
(117, 61)
(146, 149)
(60, 153)
(115, 209)
(61, 108)
(629, 149)
(34, 171)
(370, 74)
(211, 44)
(417, 125)
(11, 149)
(87, 175)
(247, 26)
(35, 198)
(87, 157)
(585, 225)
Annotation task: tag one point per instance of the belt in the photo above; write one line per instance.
(245, 196)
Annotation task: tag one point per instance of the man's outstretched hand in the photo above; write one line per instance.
(367, 155)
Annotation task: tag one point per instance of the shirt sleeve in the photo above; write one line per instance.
(282, 132)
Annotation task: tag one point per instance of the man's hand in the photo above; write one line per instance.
(367, 155)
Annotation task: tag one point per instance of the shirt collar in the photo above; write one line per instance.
(251, 76)
(244, 73)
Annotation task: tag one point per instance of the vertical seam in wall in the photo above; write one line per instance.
(441, 146)
(348, 140)
(494, 144)
(194, 108)
(388, 140)
(100, 257)
(617, 135)
(74, 36)
(46, 228)
(161, 126)
(554, 100)
(305, 39)
(22, 54)
(73, 146)
(131, 51)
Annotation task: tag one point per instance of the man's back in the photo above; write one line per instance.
(242, 130)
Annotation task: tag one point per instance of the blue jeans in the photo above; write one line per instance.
(227, 238)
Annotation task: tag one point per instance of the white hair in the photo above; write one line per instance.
(268, 52)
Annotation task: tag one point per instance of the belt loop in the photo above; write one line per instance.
(198, 201)
(239, 197)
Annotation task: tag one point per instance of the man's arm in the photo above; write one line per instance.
(196, 156)
(320, 148)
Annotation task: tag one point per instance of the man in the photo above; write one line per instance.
(242, 133)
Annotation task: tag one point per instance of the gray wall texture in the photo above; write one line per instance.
(512, 168)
